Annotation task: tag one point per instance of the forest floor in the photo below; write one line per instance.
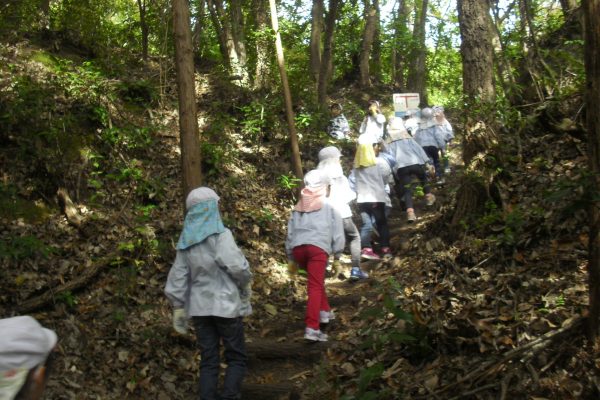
(492, 309)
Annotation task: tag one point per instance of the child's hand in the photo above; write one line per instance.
(431, 171)
(337, 267)
(180, 321)
(373, 109)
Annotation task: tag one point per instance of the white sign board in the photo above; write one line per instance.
(404, 102)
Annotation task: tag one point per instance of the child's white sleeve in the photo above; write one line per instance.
(231, 259)
(177, 282)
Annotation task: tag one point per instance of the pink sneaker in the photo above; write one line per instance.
(368, 254)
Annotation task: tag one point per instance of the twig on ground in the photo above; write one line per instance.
(488, 368)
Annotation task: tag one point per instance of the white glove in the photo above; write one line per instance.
(180, 321)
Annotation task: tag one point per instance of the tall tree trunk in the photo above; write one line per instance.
(316, 29)
(480, 139)
(188, 123)
(591, 10)
(416, 71)
(262, 73)
(289, 112)
(142, 6)
(326, 61)
(367, 43)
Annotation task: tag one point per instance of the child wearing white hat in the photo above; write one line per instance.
(315, 230)
(431, 139)
(210, 282)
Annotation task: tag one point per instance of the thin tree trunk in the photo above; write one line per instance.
(219, 29)
(199, 26)
(401, 46)
(229, 28)
(416, 70)
(528, 49)
(479, 139)
(45, 15)
(326, 60)
(188, 123)
(505, 74)
(375, 64)
(568, 6)
(261, 78)
(591, 10)
(289, 112)
(142, 6)
(535, 49)
(239, 41)
(316, 29)
(367, 44)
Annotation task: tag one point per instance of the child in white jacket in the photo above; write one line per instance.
(210, 283)
(373, 124)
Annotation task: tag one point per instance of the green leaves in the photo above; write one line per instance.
(288, 182)
(365, 378)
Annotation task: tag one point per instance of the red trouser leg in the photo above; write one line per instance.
(314, 260)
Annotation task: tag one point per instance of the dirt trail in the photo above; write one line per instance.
(281, 363)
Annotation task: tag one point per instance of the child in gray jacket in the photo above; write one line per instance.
(410, 163)
(447, 132)
(431, 138)
(210, 282)
(315, 230)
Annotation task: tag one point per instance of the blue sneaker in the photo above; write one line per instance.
(357, 273)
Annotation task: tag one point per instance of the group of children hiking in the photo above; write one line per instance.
(321, 223)
(210, 280)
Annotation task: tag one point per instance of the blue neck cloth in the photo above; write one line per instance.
(202, 220)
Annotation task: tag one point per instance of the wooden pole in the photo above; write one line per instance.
(289, 112)
(591, 9)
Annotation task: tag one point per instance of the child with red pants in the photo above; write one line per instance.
(315, 230)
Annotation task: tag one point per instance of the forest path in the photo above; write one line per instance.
(281, 363)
